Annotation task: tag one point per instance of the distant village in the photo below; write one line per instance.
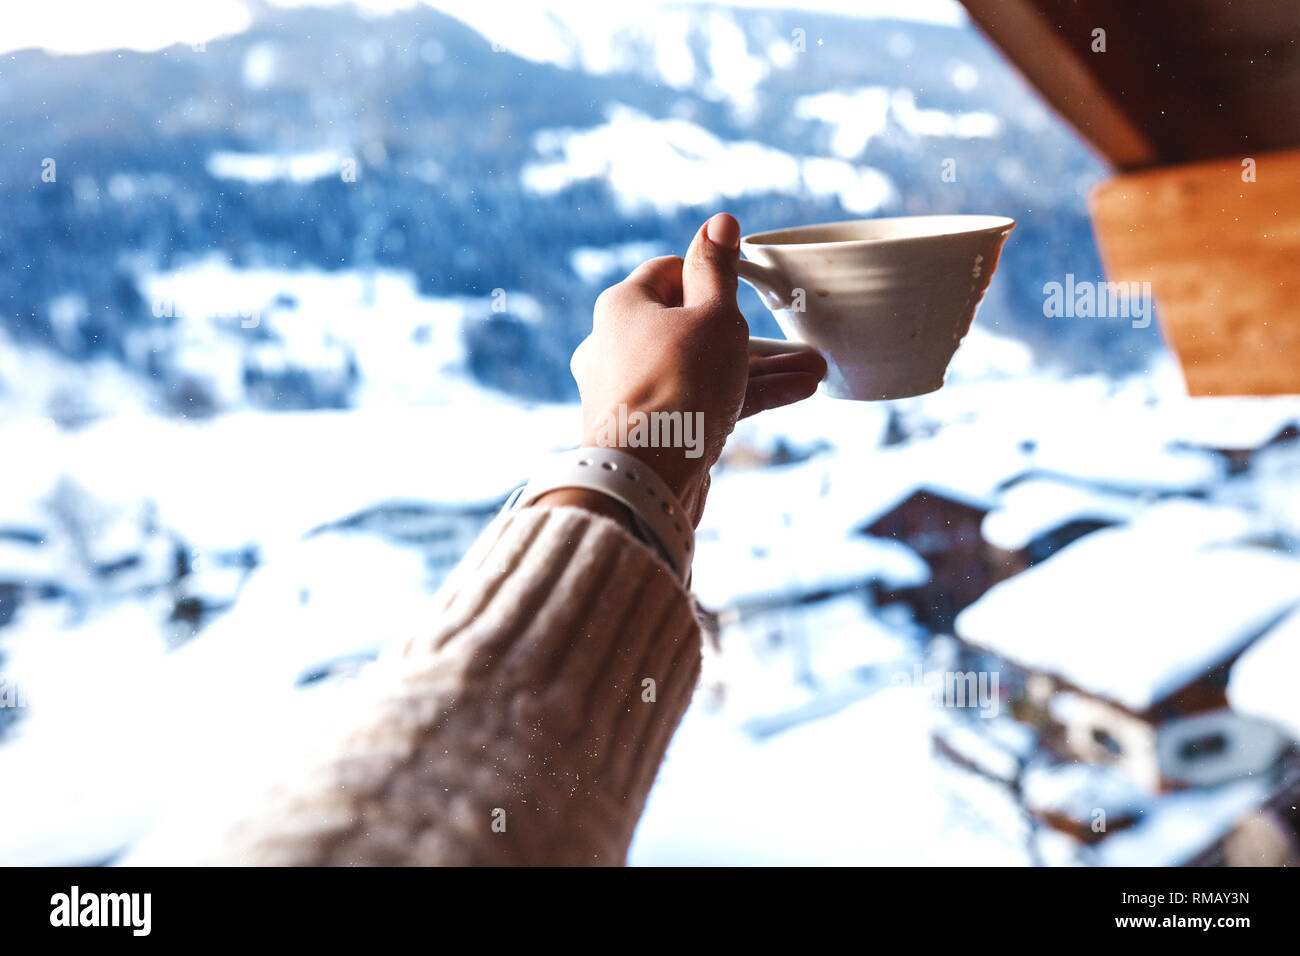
(1106, 572)
(1130, 577)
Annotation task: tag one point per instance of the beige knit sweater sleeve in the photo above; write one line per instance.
(525, 725)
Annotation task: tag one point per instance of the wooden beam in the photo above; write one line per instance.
(1221, 255)
(1053, 64)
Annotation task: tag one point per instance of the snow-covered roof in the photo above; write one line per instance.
(214, 585)
(1262, 681)
(1273, 485)
(1088, 428)
(957, 463)
(1171, 827)
(1128, 461)
(1077, 790)
(1036, 506)
(731, 572)
(23, 516)
(31, 563)
(774, 532)
(1176, 826)
(116, 541)
(860, 481)
(1135, 613)
(1230, 423)
(816, 667)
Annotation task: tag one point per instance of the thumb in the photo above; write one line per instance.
(709, 270)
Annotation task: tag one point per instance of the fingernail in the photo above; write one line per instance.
(723, 230)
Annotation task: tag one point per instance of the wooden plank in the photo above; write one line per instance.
(1052, 62)
(1179, 81)
(1221, 255)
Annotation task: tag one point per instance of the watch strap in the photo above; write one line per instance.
(657, 511)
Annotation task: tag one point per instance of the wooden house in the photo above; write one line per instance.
(1119, 647)
(942, 526)
(1239, 457)
(1262, 680)
(1268, 835)
(781, 536)
(1036, 516)
(1237, 430)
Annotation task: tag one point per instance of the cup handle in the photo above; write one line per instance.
(771, 284)
(761, 347)
(777, 294)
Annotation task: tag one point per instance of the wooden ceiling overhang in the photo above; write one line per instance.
(1196, 103)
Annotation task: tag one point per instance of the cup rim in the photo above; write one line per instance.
(977, 224)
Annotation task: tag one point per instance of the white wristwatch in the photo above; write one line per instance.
(660, 517)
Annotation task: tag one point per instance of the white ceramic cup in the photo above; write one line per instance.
(886, 301)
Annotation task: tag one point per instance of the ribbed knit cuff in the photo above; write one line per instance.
(526, 727)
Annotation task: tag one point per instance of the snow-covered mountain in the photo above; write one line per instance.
(477, 149)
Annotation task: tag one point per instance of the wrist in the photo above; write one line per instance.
(652, 426)
(611, 482)
(686, 476)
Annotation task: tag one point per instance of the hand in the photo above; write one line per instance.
(670, 340)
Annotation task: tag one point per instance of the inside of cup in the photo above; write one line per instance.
(877, 230)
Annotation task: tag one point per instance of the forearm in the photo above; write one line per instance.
(523, 729)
